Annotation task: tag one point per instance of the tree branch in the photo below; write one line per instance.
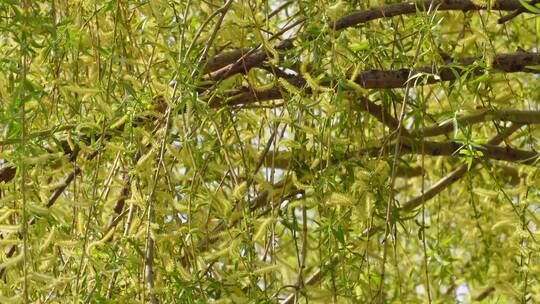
(380, 114)
(508, 63)
(515, 13)
(488, 151)
(255, 57)
(149, 269)
(221, 60)
(393, 79)
(119, 205)
(406, 8)
(455, 175)
(515, 116)
(312, 280)
(58, 191)
(7, 173)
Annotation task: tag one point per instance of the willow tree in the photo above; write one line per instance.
(269, 151)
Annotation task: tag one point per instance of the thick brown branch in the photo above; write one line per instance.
(219, 61)
(508, 63)
(255, 57)
(515, 116)
(437, 188)
(392, 79)
(7, 173)
(406, 8)
(487, 151)
(245, 96)
(283, 159)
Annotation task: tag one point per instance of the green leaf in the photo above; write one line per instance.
(533, 67)
(359, 46)
(531, 8)
(338, 233)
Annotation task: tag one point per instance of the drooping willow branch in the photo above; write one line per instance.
(264, 200)
(432, 192)
(489, 150)
(8, 171)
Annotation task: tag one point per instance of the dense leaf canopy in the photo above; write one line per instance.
(269, 151)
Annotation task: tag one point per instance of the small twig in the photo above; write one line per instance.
(312, 280)
(221, 11)
(148, 269)
(380, 114)
(61, 188)
(280, 8)
(484, 294)
(515, 13)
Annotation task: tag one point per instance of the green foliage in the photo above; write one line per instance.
(130, 175)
